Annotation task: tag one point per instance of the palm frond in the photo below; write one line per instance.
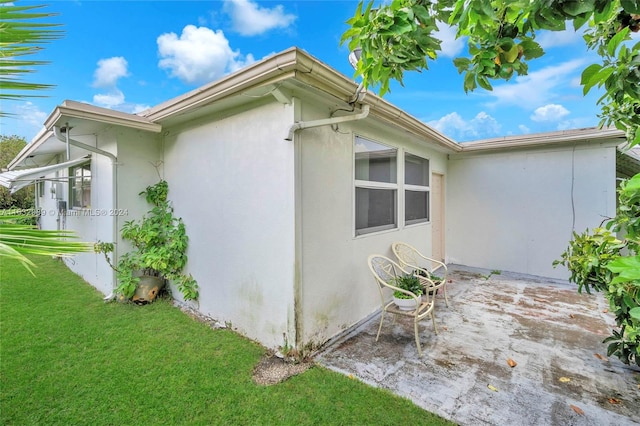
(20, 35)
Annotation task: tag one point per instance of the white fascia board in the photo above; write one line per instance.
(296, 64)
(392, 114)
(72, 109)
(541, 139)
(29, 148)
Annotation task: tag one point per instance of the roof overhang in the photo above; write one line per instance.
(17, 179)
(78, 115)
(628, 160)
(40, 151)
(573, 136)
(290, 67)
(84, 119)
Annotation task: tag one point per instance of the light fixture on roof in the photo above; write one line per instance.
(354, 57)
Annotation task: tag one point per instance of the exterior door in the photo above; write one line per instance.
(437, 216)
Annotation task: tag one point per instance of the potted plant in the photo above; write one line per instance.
(410, 283)
(427, 274)
(159, 244)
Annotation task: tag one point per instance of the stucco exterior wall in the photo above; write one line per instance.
(514, 210)
(231, 179)
(337, 288)
(88, 224)
(97, 223)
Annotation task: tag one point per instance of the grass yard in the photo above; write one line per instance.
(68, 358)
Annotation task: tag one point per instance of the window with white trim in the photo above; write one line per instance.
(40, 187)
(80, 186)
(376, 186)
(416, 189)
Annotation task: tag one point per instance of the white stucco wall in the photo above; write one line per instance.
(232, 182)
(137, 150)
(337, 288)
(513, 210)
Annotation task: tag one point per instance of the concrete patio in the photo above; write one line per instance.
(554, 334)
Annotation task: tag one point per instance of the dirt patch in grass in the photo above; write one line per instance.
(272, 370)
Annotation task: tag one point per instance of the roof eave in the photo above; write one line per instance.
(78, 110)
(390, 113)
(295, 63)
(542, 139)
(29, 148)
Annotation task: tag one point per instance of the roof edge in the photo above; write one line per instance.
(42, 136)
(541, 139)
(73, 109)
(298, 64)
(259, 72)
(393, 114)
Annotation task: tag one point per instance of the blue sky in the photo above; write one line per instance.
(130, 55)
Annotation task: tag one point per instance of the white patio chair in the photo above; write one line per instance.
(385, 272)
(410, 258)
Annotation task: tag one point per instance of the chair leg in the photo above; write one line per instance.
(433, 320)
(415, 329)
(380, 326)
(446, 300)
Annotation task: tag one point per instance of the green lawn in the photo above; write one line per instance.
(68, 358)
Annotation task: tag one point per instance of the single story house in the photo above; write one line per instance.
(288, 177)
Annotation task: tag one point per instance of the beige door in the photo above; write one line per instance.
(437, 216)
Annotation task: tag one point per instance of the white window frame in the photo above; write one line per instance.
(72, 186)
(368, 184)
(415, 188)
(40, 187)
(400, 189)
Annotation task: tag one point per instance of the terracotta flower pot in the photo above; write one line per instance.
(148, 288)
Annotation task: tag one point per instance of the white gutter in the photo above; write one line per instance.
(70, 110)
(541, 139)
(327, 121)
(114, 192)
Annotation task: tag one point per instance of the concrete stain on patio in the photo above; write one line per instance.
(551, 331)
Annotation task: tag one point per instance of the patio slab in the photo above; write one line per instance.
(552, 332)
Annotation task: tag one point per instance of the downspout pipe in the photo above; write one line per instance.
(327, 121)
(65, 137)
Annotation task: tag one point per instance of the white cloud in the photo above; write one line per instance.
(451, 46)
(576, 123)
(109, 100)
(199, 55)
(524, 129)
(109, 71)
(453, 125)
(30, 114)
(250, 19)
(538, 87)
(115, 100)
(549, 39)
(550, 112)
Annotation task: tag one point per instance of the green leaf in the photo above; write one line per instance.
(577, 7)
(484, 83)
(462, 64)
(531, 49)
(627, 265)
(469, 82)
(615, 41)
(579, 21)
(635, 313)
(631, 6)
(589, 77)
